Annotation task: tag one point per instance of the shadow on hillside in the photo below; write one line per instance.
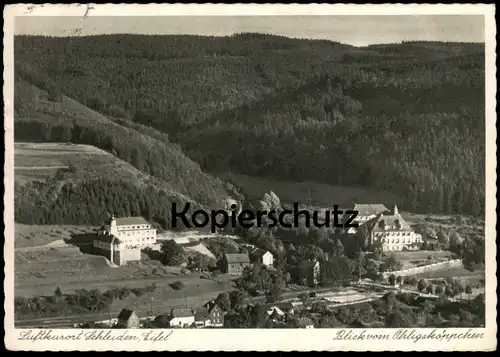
(84, 242)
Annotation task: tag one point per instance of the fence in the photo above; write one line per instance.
(426, 268)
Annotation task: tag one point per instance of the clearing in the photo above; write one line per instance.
(27, 236)
(306, 193)
(42, 161)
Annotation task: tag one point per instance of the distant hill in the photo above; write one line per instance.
(402, 118)
(129, 170)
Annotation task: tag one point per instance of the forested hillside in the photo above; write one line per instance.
(86, 193)
(405, 118)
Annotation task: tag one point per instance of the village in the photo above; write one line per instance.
(263, 289)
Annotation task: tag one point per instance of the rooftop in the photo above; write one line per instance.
(129, 221)
(369, 209)
(125, 314)
(237, 258)
(182, 312)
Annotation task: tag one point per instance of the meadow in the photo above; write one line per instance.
(43, 161)
(307, 193)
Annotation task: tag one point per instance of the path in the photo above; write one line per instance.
(40, 167)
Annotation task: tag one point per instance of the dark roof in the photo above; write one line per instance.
(127, 221)
(201, 314)
(307, 264)
(211, 305)
(394, 222)
(237, 258)
(181, 312)
(285, 306)
(369, 209)
(259, 252)
(108, 238)
(125, 314)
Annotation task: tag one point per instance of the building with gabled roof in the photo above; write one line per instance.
(182, 317)
(235, 263)
(121, 239)
(128, 319)
(210, 315)
(390, 231)
(365, 212)
(262, 256)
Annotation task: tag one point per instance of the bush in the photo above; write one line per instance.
(178, 285)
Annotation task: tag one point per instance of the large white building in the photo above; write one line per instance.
(391, 231)
(366, 212)
(121, 239)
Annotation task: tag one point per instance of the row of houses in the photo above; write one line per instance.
(208, 316)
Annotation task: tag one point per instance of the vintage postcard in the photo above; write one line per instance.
(250, 177)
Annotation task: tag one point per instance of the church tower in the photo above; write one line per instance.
(396, 212)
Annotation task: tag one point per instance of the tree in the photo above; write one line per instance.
(58, 294)
(392, 279)
(413, 281)
(439, 289)
(223, 301)
(468, 290)
(422, 284)
(443, 238)
(430, 289)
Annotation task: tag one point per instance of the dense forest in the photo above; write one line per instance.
(405, 118)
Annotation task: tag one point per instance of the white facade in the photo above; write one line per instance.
(397, 241)
(184, 321)
(132, 231)
(267, 259)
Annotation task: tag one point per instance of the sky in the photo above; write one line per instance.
(348, 29)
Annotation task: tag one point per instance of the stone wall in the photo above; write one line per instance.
(425, 268)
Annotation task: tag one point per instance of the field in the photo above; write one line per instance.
(36, 236)
(307, 193)
(45, 260)
(42, 161)
(411, 259)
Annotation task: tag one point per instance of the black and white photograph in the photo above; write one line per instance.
(176, 175)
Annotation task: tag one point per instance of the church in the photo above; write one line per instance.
(121, 239)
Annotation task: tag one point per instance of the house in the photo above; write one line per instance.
(181, 317)
(286, 307)
(262, 256)
(305, 322)
(275, 313)
(389, 231)
(365, 212)
(121, 239)
(309, 273)
(235, 263)
(128, 319)
(210, 315)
